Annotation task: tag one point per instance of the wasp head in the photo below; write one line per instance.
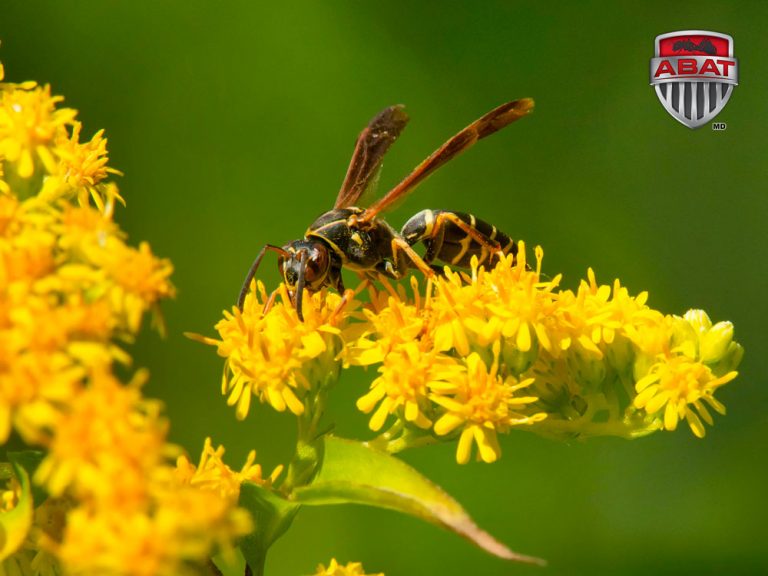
(305, 263)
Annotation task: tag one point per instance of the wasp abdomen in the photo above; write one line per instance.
(455, 237)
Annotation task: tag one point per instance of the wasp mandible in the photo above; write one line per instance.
(358, 239)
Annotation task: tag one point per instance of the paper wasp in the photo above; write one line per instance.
(358, 239)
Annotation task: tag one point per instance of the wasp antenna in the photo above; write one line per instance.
(252, 272)
(300, 283)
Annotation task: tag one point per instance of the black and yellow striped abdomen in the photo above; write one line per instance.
(454, 237)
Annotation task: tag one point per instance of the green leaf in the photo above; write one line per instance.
(351, 472)
(15, 523)
(272, 516)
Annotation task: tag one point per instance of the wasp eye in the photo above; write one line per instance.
(311, 271)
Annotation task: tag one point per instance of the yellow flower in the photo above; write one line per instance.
(84, 165)
(349, 569)
(106, 444)
(598, 313)
(391, 321)
(407, 374)
(34, 388)
(508, 303)
(274, 355)
(213, 475)
(173, 537)
(69, 287)
(140, 281)
(482, 403)
(681, 386)
(30, 124)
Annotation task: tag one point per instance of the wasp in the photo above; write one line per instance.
(360, 240)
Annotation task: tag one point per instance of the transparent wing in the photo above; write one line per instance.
(493, 121)
(371, 146)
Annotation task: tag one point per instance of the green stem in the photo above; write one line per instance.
(584, 429)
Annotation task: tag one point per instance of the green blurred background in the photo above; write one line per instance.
(234, 123)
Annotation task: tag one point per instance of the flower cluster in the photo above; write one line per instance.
(273, 355)
(478, 353)
(349, 569)
(73, 294)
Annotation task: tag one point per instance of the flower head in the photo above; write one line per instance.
(83, 167)
(213, 474)
(348, 569)
(481, 403)
(685, 372)
(407, 375)
(30, 124)
(273, 355)
(71, 289)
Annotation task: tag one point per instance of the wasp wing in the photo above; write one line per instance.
(493, 121)
(371, 146)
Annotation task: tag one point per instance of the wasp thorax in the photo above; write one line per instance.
(305, 260)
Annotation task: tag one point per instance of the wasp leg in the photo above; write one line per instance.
(270, 302)
(336, 280)
(484, 241)
(386, 268)
(435, 243)
(402, 253)
(345, 298)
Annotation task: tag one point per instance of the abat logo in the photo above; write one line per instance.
(694, 73)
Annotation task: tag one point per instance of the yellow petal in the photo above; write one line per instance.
(487, 444)
(447, 423)
(696, 426)
(294, 404)
(524, 337)
(368, 401)
(464, 448)
(380, 416)
(670, 417)
(243, 404)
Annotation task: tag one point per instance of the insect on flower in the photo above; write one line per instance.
(362, 241)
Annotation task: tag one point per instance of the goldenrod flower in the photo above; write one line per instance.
(172, 537)
(30, 124)
(34, 387)
(596, 314)
(275, 356)
(692, 364)
(454, 357)
(681, 386)
(107, 443)
(349, 569)
(508, 303)
(480, 404)
(407, 375)
(392, 321)
(212, 474)
(140, 279)
(70, 288)
(83, 166)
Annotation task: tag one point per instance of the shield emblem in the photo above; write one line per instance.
(694, 72)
